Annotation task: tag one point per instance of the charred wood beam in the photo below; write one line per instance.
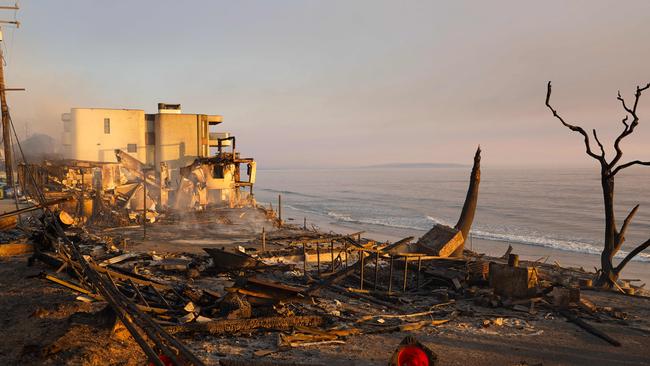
(233, 326)
(589, 328)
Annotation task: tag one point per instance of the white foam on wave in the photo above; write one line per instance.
(540, 241)
(371, 221)
(559, 244)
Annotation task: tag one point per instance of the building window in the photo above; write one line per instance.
(107, 126)
(132, 148)
(150, 138)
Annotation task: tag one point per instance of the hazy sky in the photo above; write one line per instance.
(340, 83)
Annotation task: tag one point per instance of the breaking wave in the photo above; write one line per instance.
(389, 222)
(288, 193)
(552, 243)
(426, 222)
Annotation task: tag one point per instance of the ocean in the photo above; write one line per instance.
(541, 210)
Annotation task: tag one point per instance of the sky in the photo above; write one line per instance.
(345, 83)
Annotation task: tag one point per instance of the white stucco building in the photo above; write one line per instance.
(170, 136)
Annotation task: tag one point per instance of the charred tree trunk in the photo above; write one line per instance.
(466, 218)
(607, 274)
(614, 238)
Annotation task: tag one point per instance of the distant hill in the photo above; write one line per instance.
(417, 165)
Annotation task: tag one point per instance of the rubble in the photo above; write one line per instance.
(312, 289)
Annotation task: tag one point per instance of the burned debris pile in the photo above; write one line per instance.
(128, 191)
(307, 287)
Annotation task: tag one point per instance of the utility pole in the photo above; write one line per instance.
(4, 108)
(6, 124)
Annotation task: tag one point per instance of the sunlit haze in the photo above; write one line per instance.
(344, 83)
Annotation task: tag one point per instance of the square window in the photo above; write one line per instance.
(107, 126)
(132, 148)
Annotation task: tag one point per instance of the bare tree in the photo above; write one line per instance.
(614, 237)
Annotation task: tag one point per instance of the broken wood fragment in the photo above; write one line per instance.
(589, 328)
(248, 362)
(407, 327)
(12, 249)
(233, 326)
(514, 282)
(441, 241)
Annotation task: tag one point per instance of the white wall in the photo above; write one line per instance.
(84, 137)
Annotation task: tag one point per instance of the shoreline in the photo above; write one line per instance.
(636, 270)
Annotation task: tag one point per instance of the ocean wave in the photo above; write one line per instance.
(371, 221)
(552, 243)
(540, 241)
(288, 192)
(425, 223)
(305, 210)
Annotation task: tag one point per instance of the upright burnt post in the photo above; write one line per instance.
(466, 218)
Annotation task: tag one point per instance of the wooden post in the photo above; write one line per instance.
(144, 208)
(363, 259)
(390, 275)
(406, 268)
(304, 223)
(376, 269)
(304, 263)
(318, 257)
(419, 267)
(280, 209)
(263, 239)
(332, 253)
(83, 190)
(513, 260)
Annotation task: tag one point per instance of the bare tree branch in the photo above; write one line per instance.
(620, 236)
(631, 255)
(602, 149)
(629, 128)
(627, 165)
(619, 97)
(572, 127)
(625, 124)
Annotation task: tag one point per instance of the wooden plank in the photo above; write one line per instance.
(15, 249)
(441, 240)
